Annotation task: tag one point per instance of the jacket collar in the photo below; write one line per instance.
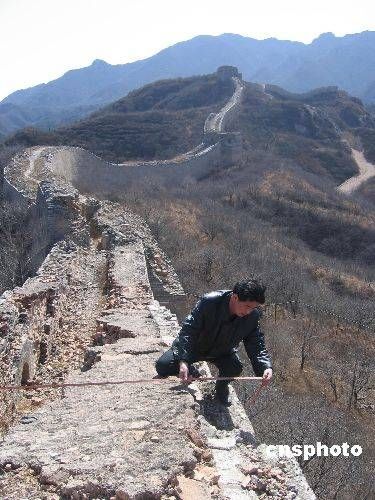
(225, 305)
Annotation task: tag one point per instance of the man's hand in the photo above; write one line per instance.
(267, 376)
(184, 372)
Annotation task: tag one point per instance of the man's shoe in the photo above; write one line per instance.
(222, 394)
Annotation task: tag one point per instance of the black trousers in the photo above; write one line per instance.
(228, 365)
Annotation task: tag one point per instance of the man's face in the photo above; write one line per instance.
(243, 308)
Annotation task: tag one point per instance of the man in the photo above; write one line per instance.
(212, 332)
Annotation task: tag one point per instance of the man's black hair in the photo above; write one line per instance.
(250, 289)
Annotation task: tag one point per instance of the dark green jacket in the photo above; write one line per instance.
(209, 331)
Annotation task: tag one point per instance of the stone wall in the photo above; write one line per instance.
(217, 123)
(90, 174)
(231, 148)
(34, 320)
(33, 317)
(137, 428)
(226, 72)
(50, 205)
(90, 312)
(75, 167)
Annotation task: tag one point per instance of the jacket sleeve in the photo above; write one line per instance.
(192, 325)
(256, 350)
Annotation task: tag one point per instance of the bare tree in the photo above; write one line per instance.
(308, 335)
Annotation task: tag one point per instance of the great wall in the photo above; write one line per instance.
(102, 305)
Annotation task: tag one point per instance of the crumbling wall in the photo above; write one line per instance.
(155, 440)
(90, 174)
(34, 318)
(51, 206)
(91, 306)
(31, 320)
(53, 312)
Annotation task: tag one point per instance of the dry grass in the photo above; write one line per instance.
(344, 283)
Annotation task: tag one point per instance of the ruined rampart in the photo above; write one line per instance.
(36, 321)
(90, 315)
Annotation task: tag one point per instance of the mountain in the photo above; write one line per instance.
(166, 118)
(348, 62)
(12, 118)
(158, 120)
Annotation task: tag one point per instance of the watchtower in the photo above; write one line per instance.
(225, 73)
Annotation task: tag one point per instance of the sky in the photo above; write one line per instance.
(42, 39)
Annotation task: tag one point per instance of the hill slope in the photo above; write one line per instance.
(307, 128)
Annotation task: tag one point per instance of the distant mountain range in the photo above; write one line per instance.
(348, 62)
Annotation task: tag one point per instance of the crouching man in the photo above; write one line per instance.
(212, 332)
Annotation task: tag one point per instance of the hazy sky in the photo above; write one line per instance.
(42, 39)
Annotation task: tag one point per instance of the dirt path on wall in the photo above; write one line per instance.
(33, 157)
(214, 122)
(366, 171)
